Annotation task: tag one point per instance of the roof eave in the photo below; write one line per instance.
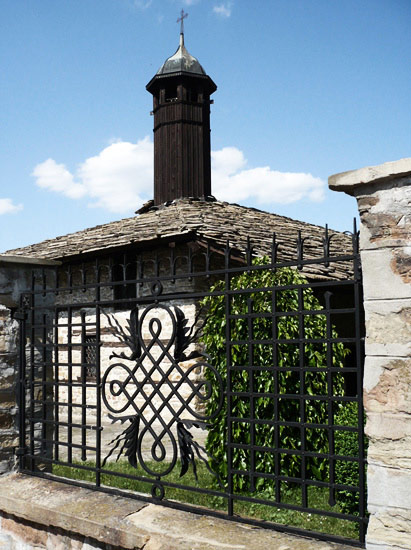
(158, 78)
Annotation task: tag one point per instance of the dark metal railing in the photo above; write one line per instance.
(113, 365)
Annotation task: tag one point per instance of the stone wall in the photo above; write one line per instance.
(383, 194)
(8, 384)
(40, 514)
(17, 534)
(15, 276)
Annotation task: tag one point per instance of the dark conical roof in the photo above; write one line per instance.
(182, 60)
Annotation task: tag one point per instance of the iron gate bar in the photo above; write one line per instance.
(83, 385)
(73, 424)
(297, 452)
(291, 423)
(31, 378)
(293, 369)
(213, 492)
(70, 381)
(220, 271)
(190, 276)
(274, 336)
(44, 380)
(303, 434)
(69, 445)
(288, 313)
(64, 403)
(98, 390)
(176, 295)
(199, 295)
(295, 396)
(56, 382)
(227, 299)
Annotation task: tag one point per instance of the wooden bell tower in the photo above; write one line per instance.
(181, 107)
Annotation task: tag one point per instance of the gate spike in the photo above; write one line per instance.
(355, 237)
(326, 246)
(300, 244)
(274, 249)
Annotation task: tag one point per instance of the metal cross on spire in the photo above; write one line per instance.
(181, 21)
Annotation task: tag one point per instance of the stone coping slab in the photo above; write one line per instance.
(25, 260)
(348, 181)
(131, 524)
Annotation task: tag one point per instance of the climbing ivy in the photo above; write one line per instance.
(348, 472)
(288, 299)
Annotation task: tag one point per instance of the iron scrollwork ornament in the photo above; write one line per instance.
(152, 387)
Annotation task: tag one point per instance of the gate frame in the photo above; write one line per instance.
(42, 288)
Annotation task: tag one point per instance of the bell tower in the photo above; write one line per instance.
(181, 107)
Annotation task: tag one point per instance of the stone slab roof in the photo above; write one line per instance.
(208, 222)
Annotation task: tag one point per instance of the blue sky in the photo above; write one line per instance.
(306, 88)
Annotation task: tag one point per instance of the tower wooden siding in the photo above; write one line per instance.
(182, 155)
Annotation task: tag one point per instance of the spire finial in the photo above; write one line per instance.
(180, 20)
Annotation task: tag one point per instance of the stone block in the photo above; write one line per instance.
(388, 488)
(388, 426)
(387, 273)
(8, 335)
(8, 374)
(388, 171)
(391, 452)
(374, 546)
(6, 421)
(24, 532)
(387, 385)
(7, 398)
(388, 328)
(8, 440)
(385, 215)
(6, 465)
(390, 530)
(373, 369)
(5, 542)
(58, 542)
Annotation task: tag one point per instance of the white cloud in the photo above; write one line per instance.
(233, 181)
(223, 10)
(120, 179)
(121, 176)
(7, 207)
(55, 177)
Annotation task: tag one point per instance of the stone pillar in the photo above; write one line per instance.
(383, 194)
(15, 277)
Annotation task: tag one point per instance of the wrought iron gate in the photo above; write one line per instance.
(203, 376)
